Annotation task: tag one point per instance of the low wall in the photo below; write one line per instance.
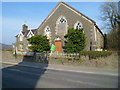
(110, 62)
(29, 56)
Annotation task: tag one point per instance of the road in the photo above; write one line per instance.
(16, 76)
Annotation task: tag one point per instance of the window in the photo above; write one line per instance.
(47, 32)
(21, 38)
(47, 29)
(61, 20)
(78, 25)
(61, 26)
(57, 38)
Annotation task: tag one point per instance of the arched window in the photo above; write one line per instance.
(61, 20)
(47, 32)
(61, 26)
(78, 25)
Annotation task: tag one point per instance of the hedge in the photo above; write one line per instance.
(96, 54)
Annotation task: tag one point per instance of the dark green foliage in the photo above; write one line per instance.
(112, 40)
(39, 43)
(75, 40)
(96, 54)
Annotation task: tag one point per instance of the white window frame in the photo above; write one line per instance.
(47, 30)
(61, 17)
(75, 25)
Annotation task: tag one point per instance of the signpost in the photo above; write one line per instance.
(52, 47)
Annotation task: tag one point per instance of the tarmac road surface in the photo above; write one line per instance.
(19, 76)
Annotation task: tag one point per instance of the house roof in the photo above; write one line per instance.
(99, 30)
(34, 31)
(26, 33)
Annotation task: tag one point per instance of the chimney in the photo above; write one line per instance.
(24, 28)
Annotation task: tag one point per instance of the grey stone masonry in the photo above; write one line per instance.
(56, 26)
(93, 35)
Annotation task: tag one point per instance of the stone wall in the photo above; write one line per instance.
(109, 62)
(71, 18)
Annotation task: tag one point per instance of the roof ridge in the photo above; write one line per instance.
(78, 12)
(49, 14)
(61, 2)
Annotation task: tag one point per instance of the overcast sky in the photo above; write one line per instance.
(15, 14)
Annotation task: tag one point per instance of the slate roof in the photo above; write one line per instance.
(34, 31)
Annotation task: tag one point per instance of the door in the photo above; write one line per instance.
(58, 48)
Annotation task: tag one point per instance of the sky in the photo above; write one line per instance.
(15, 14)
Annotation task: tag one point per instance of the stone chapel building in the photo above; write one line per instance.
(56, 26)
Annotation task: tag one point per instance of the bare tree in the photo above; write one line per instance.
(109, 14)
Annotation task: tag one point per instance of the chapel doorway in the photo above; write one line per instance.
(58, 46)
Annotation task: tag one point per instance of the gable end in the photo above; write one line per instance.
(69, 7)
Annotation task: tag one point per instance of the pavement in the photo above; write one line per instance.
(88, 70)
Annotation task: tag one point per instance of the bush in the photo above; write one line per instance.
(75, 40)
(96, 54)
(39, 43)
